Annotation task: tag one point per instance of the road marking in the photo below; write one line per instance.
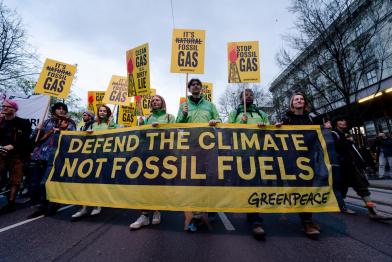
(226, 222)
(4, 192)
(30, 220)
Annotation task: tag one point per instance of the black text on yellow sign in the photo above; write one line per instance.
(188, 51)
(146, 100)
(117, 92)
(243, 62)
(138, 70)
(94, 100)
(206, 90)
(55, 79)
(127, 116)
(235, 168)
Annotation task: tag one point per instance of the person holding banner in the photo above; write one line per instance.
(196, 110)
(14, 149)
(298, 114)
(253, 115)
(43, 154)
(87, 121)
(158, 113)
(104, 121)
(158, 116)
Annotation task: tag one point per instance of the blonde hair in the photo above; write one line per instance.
(307, 107)
(163, 106)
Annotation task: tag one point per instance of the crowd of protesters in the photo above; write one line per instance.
(30, 154)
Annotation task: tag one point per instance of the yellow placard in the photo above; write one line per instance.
(94, 100)
(243, 62)
(55, 79)
(138, 70)
(146, 102)
(117, 92)
(206, 90)
(188, 51)
(127, 116)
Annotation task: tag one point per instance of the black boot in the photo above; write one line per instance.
(41, 210)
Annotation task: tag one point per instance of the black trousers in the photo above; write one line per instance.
(350, 176)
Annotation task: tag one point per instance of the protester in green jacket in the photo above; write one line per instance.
(158, 116)
(158, 113)
(196, 110)
(104, 121)
(252, 116)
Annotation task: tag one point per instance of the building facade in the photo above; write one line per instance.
(364, 90)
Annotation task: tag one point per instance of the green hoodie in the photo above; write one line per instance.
(254, 115)
(104, 126)
(159, 116)
(202, 112)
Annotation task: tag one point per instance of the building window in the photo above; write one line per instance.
(359, 29)
(382, 125)
(371, 77)
(370, 128)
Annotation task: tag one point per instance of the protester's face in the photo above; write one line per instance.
(195, 88)
(298, 102)
(60, 111)
(7, 109)
(341, 124)
(249, 97)
(86, 117)
(156, 102)
(103, 112)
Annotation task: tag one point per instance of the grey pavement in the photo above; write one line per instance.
(381, 183)
(107, 238)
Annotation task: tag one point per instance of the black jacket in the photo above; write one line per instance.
(292, 119)
(16, 132)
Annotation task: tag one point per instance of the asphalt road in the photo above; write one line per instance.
(108, 238)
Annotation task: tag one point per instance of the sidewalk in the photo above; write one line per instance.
(384, 183)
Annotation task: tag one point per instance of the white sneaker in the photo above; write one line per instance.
(140, 222)
(95, 211)
(80, 213)
(156, 218)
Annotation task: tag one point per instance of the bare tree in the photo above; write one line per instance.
(230, 100)
(18, 62)
(339, 42)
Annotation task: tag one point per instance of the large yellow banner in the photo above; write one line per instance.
(55, 79)
(117, 92)
(195, 167)
(138, 70)
(206, 90)
(94, 100)
(188, 51)
(243, 62)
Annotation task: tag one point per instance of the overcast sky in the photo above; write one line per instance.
(96, 34)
